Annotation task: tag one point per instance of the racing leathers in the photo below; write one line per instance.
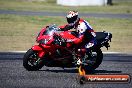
(85, 34)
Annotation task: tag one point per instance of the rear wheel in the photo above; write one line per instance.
(31, 61)
(98, 57)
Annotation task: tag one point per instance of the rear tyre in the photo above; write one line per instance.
(31, 61)
(98, 60)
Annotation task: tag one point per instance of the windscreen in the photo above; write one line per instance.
(50, 30)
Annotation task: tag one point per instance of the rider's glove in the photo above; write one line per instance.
(67, 27)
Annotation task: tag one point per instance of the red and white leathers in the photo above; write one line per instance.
(86, 34)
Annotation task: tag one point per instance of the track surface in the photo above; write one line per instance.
(13, 74)
(104, 15)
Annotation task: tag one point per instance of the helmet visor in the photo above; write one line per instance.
(72, 19)
(69, 20)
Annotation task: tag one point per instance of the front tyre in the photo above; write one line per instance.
(31, 61)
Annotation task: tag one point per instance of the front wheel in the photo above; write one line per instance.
(31, 61)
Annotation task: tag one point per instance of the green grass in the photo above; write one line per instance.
(19, 32)
(50, 5)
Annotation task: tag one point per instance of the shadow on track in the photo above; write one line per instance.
(76, 71)
(106, 71)
(62, 71)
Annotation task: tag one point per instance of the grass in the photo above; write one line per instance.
(50, 5)
(19, 32)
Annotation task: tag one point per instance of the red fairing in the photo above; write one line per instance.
(67, 35)
(47, 44)
(40, 51)
(36, 47)
(78, 40)
(41, 35)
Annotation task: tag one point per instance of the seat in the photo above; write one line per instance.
(100, 36)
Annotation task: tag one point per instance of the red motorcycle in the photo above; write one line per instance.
(53, 50)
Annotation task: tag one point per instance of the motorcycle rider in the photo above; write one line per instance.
(83, 30)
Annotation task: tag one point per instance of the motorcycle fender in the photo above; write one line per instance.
(37, 48)
(41, 53)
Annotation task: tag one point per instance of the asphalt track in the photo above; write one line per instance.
(13, 74)
(104, 15)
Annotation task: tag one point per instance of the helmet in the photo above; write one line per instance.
(72, 17)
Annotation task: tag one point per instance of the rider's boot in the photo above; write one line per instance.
(87, 59)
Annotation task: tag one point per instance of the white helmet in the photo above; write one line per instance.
(72, 16)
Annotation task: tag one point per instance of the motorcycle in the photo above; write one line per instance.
(53, 50)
